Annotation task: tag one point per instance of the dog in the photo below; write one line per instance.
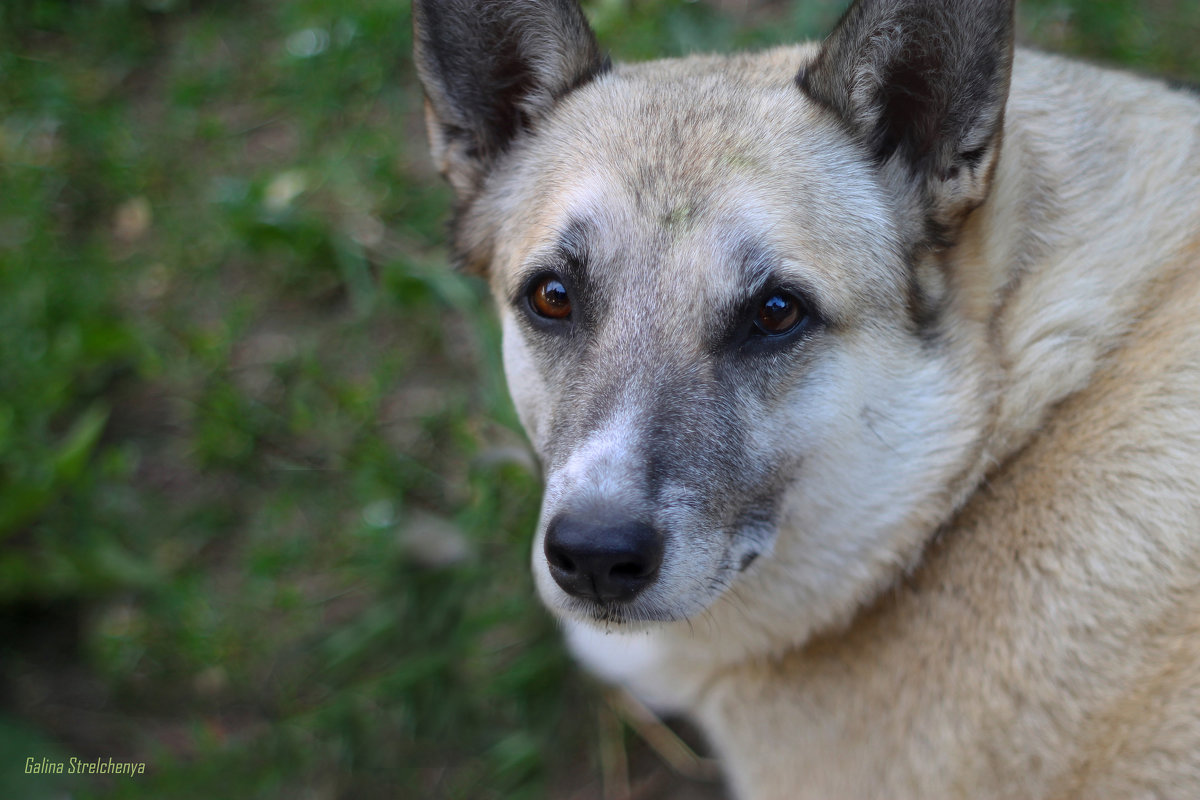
(865, 376)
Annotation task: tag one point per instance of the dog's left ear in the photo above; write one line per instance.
(922, 84)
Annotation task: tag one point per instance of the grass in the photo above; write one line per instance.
(264, 504)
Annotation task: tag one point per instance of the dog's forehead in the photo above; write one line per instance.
(669, 169)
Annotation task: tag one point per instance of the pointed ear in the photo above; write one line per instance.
(492, 68)
(922, 84)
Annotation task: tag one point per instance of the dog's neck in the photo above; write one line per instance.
(1021, 256)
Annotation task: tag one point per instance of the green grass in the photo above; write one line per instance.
(264, 505)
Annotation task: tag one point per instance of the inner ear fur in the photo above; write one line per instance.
(922, 84)
(491, 69)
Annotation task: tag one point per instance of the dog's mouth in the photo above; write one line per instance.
(630, 614)
(670, 595)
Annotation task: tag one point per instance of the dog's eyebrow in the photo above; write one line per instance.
(569, 257)
(759, 265)
(572, 241)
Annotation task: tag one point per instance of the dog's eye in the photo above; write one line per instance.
(779, 314)
(549, 299)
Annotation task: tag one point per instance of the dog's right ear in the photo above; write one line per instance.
(491, 69)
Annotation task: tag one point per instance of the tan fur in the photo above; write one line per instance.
(1049, 643)
(984, 579)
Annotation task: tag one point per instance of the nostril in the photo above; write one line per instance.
(559, 559)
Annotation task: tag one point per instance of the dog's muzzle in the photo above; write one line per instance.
(602, 559)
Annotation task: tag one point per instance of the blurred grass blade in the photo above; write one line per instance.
(79, 443)
(22, 499)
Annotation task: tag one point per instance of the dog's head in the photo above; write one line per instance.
(730, 324)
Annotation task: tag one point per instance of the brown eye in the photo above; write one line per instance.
(549, 299)
(778, 314)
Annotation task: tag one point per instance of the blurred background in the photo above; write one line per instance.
(265, 508)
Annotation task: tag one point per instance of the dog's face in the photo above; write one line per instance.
(707, 340)
(719, 297)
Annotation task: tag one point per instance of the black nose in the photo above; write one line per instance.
(602, 559)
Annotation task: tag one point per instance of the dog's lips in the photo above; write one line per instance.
(623, 611)
(619, 613)
(608, 614)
